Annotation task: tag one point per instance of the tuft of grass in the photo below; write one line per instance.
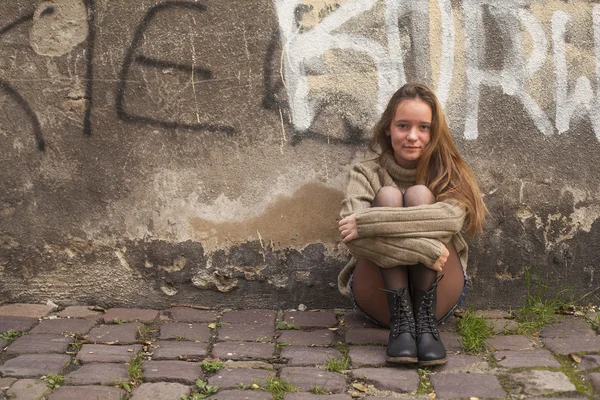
(134, 369)
(336, 364)
(474, 331)
(283, 325)
(54, 381)
(424, 382)
(144, 333)
(318, 390)
(540, 306)
(277, 387)
(11, 334)
(210, 367)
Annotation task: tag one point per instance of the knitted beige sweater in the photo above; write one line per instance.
(392, 236)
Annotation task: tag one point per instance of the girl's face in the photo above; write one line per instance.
(410, 131)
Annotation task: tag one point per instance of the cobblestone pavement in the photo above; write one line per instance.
(94, 350)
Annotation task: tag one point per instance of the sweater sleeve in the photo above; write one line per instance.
(390, 252)
(440, 220)
(359, 192)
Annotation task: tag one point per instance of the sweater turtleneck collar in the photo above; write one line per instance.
(397, 172)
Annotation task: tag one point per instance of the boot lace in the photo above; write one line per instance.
(426, 322)
(402, 319)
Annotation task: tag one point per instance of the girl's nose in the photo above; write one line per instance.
(412, 135)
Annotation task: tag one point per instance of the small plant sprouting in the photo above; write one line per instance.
(424, 382)
(210, 366)
(11, 334)
(134, 369)
(144, 333)
(474, 331)
(277, 387)
(243, 386)
(261, 339)
(318, 390)
(203, 390)
(118, 321)
(54, 381)
(283, 325)
(180, 338)
(333, 364)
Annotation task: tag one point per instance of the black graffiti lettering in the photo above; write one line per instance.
(16, 96)
(131, 58)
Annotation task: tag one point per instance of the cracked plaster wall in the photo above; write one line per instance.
(196, 152)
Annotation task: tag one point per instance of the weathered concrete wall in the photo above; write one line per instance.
(195, 151)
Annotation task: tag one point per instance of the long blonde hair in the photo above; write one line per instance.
(440, 167)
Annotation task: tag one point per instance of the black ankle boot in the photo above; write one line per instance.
(431, 350)
(401, 347)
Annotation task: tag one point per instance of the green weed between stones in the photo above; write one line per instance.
(277, 387)
(474, 331)
(568, 367)
(144, 333)
(424, 382)
(283, 325)
(11, 334)
(54, 381)
(318, 390)
(118, 321)
(134, 369)
(333, 364)
(210, 367)
(203, 390)
(540, 306)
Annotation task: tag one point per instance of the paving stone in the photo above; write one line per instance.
(462, 363)
(500, 326)
(308, 396)
(367, 355)
(260, 317)
(589, 362)
(394, 379)
(169, 350)
(567, 327)
(230, 378)
(241, 395)
(20, 324)
(573, 344)
(595, 380)
(80, 312)
(245, 332)
(98, 374)
(527, 358)
(543, 382)
(451, 341)
(305, 379)
(160, 391)
(243, 350)
(175, 330)
(6, 382)
(367, 336)
(90, 353)
(26, 310)
(449, 325)
(321, 337)
(3, 344)
(123, 334)
(448, 386)
(308, 319)
(66, 325)
(492, 314)
(172, 371)
(300, 355)
(230, 364)
(509, 342)
(28, 389)
(34, 365)
(130, 315)
(44, 343)
(188, 314)
(87, 392)
(354, 319)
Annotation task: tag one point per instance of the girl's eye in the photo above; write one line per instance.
(425, 127)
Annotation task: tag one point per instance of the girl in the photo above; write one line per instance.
(402, 219)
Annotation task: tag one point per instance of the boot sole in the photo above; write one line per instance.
(402, 360)
(434, 362)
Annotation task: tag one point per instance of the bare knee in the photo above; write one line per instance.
(388, 196)
(417, 195)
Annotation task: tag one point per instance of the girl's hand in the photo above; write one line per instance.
(442, 260)
(348, 228)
